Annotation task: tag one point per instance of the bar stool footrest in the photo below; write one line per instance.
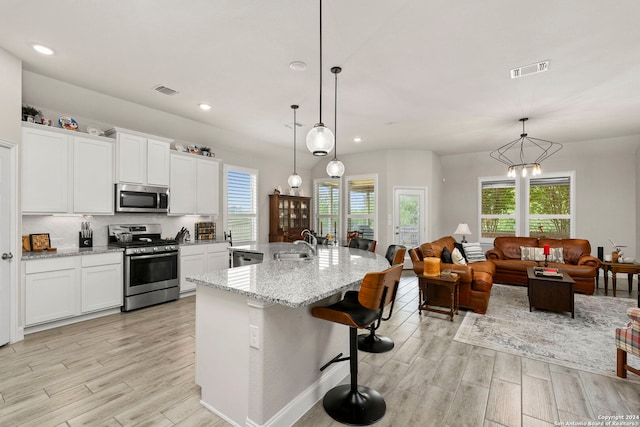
(361, 408)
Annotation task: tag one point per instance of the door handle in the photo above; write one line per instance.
(7, 256)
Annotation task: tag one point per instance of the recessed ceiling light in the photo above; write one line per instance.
(205, 107)
(357, 140)
(298, 66)
(43, 49)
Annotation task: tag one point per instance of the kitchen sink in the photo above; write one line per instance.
(292, 256)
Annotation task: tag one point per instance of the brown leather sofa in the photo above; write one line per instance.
(476, 279)
(578, 262)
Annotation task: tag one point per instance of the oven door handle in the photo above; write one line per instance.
(166, 254)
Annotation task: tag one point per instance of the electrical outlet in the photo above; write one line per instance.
(254, 336)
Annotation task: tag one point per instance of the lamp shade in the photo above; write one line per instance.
(320, 140)
(335, 168)
(294, 180)
(462, 229)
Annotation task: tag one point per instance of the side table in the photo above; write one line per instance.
(619, 267)
(441, 292)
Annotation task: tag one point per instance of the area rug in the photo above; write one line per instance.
(586, 342)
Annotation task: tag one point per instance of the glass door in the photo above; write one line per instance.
(409, 216)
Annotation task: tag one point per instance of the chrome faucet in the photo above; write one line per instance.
(314, 242)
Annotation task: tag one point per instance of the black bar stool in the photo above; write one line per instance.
(351, 403)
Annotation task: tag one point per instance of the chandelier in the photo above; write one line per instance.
(513, 153)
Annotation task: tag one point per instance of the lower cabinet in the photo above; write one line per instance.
(101, 282)
(64, 287)
(200, 258)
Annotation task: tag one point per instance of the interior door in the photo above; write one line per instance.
(409, 217)
(6, 220)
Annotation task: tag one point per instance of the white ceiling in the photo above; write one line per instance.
(417, 74)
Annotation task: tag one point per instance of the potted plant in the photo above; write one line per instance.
(29, 111)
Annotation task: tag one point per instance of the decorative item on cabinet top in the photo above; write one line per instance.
(68, 123)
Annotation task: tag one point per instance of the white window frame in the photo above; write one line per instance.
(522, 215)
(515, 216)
(376, 193)
(226, 169)
(572, 201)
(316, 206)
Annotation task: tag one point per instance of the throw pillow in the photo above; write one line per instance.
(461, 249)
(556, 256)
(457, 257)
(446, 256)
(528, 253)
(474, 252)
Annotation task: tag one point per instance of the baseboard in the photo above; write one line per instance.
(301, 404)
(69, 320)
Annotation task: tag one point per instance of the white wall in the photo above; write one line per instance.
(10, 97)
(606, 189)
(56, 98)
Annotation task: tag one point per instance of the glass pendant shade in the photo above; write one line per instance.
(320, 140)
(294, 180)
(335, 168)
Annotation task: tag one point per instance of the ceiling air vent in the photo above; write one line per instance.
(526, 70)
(165, 90)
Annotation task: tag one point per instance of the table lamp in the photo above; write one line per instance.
(462, 229)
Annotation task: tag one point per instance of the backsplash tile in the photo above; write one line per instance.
(63, 230)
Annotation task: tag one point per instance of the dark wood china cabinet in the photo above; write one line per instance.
(288, 216)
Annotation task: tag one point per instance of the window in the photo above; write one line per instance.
(241, 200)
(498, 213)
(362, 205)
(327, 206)
(549, 209)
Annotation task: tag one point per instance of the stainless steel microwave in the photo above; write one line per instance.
(141, 198)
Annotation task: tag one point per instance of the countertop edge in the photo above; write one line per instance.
(26, 256)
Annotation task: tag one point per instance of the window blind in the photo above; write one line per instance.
(242, 205)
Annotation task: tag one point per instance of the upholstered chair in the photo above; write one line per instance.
(628, 341)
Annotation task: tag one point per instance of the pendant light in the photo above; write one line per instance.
(335, 168)
(294, 180)
(320, 139)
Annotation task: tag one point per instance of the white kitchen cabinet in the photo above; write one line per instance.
(45, 170)
(93, 176)
(141, 158)
(158, 168)
(65, 172)
(50, 289)
(207, 185)
(102, 285)
(195, 185)
(201, 258)
(66, 287)
(183, 185)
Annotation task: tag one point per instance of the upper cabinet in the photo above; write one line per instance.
(195, 185)
(65, 172)
(141, 158)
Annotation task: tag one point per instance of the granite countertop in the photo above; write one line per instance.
(295, 283)
(70, 252)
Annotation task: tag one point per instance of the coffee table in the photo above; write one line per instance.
(549, 293)
(439, 291)
(619, 267)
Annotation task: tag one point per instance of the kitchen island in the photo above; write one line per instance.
(258, 349)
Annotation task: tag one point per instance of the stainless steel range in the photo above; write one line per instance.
(150, 264)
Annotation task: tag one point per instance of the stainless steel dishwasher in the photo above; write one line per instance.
(242, 257)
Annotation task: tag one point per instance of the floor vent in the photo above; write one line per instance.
(527, 70)
(165, 90)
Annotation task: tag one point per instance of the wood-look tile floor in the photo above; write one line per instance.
(137, 369)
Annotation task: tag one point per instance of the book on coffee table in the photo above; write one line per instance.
(547, 272)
